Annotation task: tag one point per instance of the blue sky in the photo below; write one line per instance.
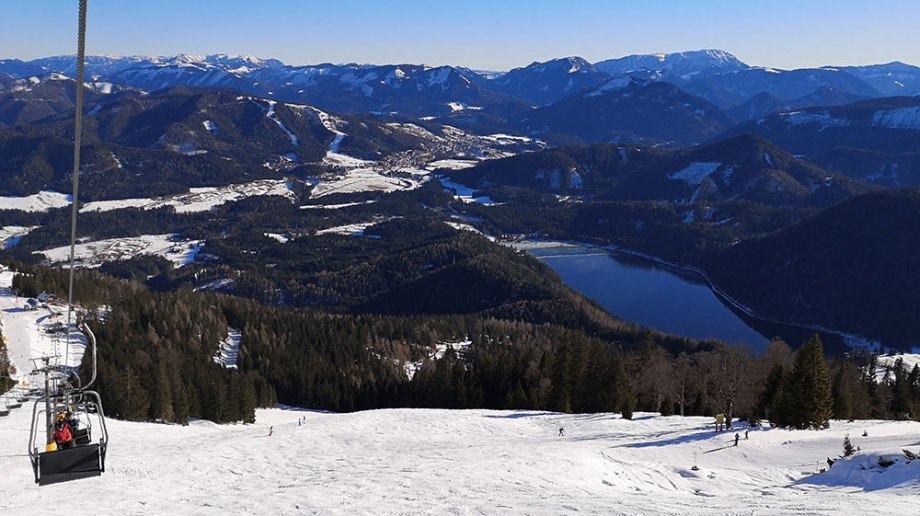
(493, 34)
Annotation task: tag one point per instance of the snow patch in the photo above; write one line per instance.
(825, 120)
(200, 199)
(356, 229)
(902, 118)
(464, 193)
(40, 202)
(615, 84)
(437, 353)
(695, 173)
(452, 164)
(274, 118)
(335, 206)
(363, 180)
(11, 235)
(93, 254)
(228, 352)
(210, 126)
(279, 237)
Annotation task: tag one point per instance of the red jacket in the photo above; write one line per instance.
(62, 434)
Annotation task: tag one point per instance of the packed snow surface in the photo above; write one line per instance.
(404, 461)
(93, 254)
(27, 334)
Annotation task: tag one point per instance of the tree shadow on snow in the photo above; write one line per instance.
(518, 415)
(703, 435)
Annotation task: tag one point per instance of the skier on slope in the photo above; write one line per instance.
(561, 432)
(736, 438)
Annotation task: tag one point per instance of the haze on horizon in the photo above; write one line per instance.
(481, 35)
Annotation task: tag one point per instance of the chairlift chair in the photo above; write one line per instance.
(87, 456)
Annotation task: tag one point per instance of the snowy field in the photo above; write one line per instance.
(470, 462)
(94, 254)
(199, 199)
(420, 461)
(464, 193)
(11, 235)
(40, 202)
(364, 180)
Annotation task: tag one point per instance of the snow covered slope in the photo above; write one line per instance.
(466, 462)
(421, 461)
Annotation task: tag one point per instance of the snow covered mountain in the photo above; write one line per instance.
(733, 88)
(679, 65)
(891, 79)
(744, 168)
(411, 89)
(628, 110)
(888, 125)
(28, 100)
(479, 99)
(765, 104)
(545, 83)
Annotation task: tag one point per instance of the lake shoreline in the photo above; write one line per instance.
(851, 340)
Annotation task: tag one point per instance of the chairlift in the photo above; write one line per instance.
(85, 457)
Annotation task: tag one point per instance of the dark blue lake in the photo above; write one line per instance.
(641, 291)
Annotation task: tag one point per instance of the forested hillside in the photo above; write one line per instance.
(851, 267)
(157, 363)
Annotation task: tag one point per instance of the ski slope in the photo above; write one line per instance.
(26, 332)
(467, 462)
(425, 461)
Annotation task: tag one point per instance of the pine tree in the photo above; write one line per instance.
(901, 402)
(806, 398)
(772, 391)
(560, 400)
(843, 393)
(848, 448)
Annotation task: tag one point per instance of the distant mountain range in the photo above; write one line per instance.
(746, 168)
(417, 90)
(695, 157)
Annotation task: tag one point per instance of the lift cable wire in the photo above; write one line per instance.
(78, 134)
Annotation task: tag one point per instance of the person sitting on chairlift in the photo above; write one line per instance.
(72, 421)
(62, 436)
